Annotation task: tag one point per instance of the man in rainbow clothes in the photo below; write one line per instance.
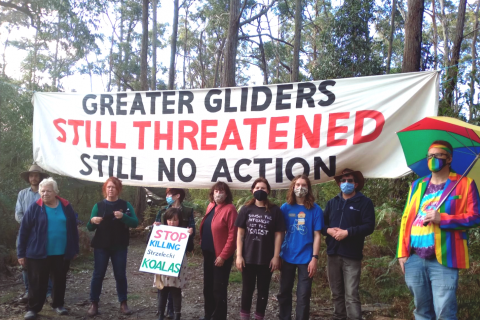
(432, 243)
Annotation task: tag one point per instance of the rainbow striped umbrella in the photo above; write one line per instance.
(464, 137)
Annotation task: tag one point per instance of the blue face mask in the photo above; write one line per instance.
(169, 200)
(347, 188)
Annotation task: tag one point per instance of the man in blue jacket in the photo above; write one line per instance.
(348, 218)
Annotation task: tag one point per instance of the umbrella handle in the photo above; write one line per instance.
(458, 181)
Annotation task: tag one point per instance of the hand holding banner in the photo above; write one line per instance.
(165, 250)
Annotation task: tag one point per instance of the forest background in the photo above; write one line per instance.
(220, 43)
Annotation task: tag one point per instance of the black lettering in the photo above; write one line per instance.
(100, 164)
(162, 168)
(244, 99)
(221, 171)
(268, 98)
(153, 96)
(167, 102)
(217, 102)
(111, 163)
(93, 105)
(279, 105)
(279, 171)
(294, 161)
(180, 170)
(106, 104)
(318, 163)
(137, 104)
(89, 169)
(227, 101)
(133, 172)
(121, 104)
(301, 95)
(185, 99)
(262, 162)
(120, 175)
(236, 170)
(323, 89)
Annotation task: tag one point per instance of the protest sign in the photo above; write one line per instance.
(194, 138)
(165, 250)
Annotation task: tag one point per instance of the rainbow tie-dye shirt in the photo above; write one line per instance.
(423, 237)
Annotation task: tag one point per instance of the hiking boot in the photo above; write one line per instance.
(124, 308)
(23, 298)
(93, 310)
(30, 315)
(61, 311)
(177, 316)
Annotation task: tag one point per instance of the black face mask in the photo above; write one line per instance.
(260, 195)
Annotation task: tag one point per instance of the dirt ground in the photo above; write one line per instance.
(141, 295)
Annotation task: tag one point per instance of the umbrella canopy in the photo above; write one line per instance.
(464, 138)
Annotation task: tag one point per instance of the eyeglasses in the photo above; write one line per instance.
(346, 180)
(437, 155)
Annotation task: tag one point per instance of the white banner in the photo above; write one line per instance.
(193, 138)
(165, 250)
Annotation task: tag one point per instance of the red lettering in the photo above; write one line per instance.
(176, 236)
(88, 127)
(63, 134)
(208, 135)
(159, 234)
(75, 124)
(360, 117)
(333, 129)
(98, 135)
(163, 136)
(166, 234)
(235, 141)
(303, 130)
(182, 236)
(182, 135)
(141, 125)
(254, 123)
(274, 133)
(113, 137)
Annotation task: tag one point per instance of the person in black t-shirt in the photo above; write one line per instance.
(261, 228)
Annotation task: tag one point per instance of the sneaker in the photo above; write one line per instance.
(61, 311)
(23, 298)
(30, 315)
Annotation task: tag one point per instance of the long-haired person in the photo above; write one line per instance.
(111, 220)
(260, 233)
(218, 236)
(303, 221)
(47, 242)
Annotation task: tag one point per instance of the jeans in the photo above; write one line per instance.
(175, 294)
(39, 271)
(434, 288)
(215, 283)
(344, 279)
(304, 291)
(255, 274)
(119, 263)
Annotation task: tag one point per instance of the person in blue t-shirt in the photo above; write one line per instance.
(303, 222)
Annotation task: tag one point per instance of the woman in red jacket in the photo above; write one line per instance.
(218, 236)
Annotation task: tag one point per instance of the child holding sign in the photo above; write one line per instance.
(173, 285)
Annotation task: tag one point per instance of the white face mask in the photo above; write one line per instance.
(300, 192)
(219, 197)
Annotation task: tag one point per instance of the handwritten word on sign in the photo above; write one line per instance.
(165, 250)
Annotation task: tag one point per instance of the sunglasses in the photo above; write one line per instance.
(437, 155)
(347, 180)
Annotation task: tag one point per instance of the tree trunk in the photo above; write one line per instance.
(230, 57)
(392, 29)
(446, 48)
(435, 35)
(264, 60)
(218, 61)
(452, 71)
(154, 46)
(413, 36)
(296, 43)
(55, 61)
(473, 75)
(144, 52)
(187, 6)
(173, 47)
(110, 62)
(120, 42)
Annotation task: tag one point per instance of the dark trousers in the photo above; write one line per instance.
(39, 272)
(215, 283)
(261, 275)
(304, 291)
(119, 264)
(176, 296)
(344, 279)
